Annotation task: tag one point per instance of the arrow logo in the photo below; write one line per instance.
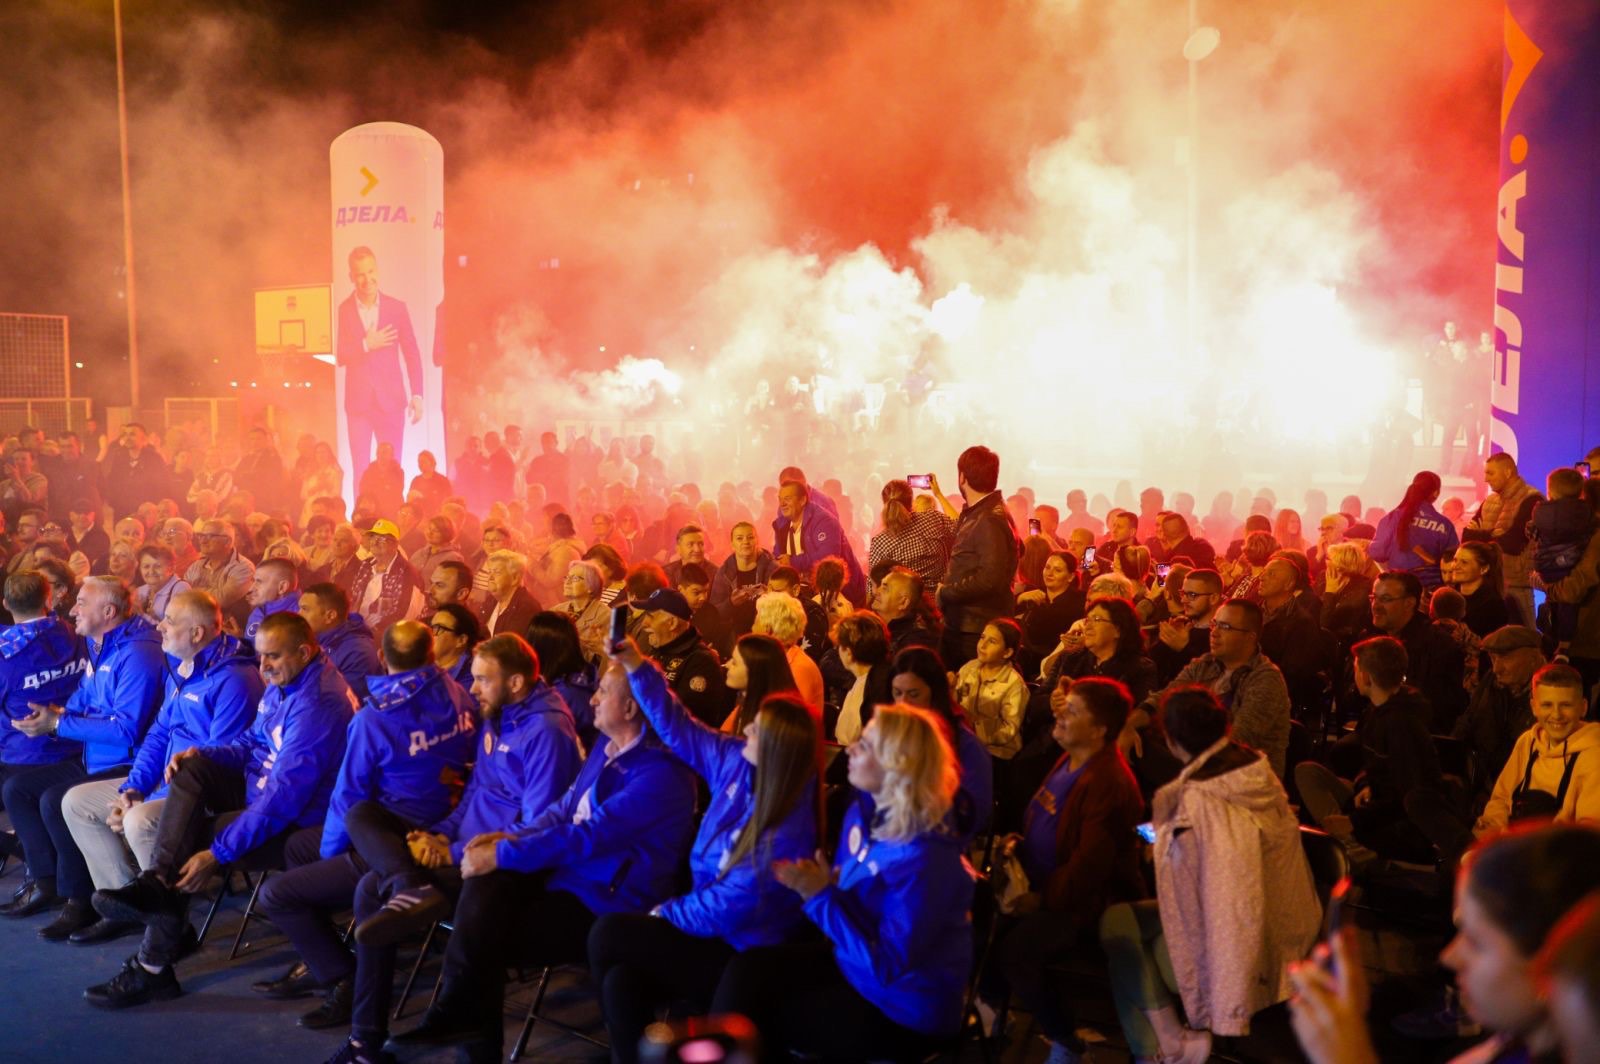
(372, 180)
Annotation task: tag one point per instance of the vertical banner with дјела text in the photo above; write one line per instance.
(388, 284)
(1545, 391)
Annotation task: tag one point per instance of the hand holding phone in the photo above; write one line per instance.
(1034, 527)
(619, 627)
(923, 481)
(1088, 558)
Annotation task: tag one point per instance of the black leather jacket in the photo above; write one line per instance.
(983, 562)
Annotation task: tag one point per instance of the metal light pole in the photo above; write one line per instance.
(127, 219)
(1201, 42)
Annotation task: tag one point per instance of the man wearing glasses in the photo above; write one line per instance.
(1241, 677)
(1182, 639)
(178, 536)
(1435, 661)
(220, 569)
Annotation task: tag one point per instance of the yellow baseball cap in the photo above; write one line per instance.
(385, 527)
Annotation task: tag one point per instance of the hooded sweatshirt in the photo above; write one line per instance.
(1550, 763)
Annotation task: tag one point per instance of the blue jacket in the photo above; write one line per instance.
(576, 690)
(974, 802)
(40, 661)
(744, 906)
(821, 536)
(289, 757)
(353, 649)
(1431, 532)
(119, 696)
(525, 763)
(626, 854)
(408, 748)
(900, 921)
(283, 604)
(214, 705)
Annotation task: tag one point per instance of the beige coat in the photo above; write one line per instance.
(1235, 890)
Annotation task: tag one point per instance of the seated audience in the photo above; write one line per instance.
(1226, 842)
(782, 616)
(342, 635)
(692, 667)
(918, 678)
(554, 639)
(888, 978)
(1047, 612)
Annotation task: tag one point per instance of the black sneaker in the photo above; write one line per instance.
(143, 900)
(134, 986)
(73, 917)
(334, 1010)
(354, 1052)
(406, 915)
(445, 1023)
(297, 982)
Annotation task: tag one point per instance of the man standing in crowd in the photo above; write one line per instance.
(259, 471)
(386, 589)
(1503, 520)
(384, 482)
(133, 471)
(108, 714)
(693, 670)
(983, 559)
(344, 636)
(273, 779)
(212, 691)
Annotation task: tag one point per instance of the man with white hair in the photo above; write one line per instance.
(220, 569)
(694, 672)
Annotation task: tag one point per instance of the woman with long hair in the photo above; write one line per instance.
(1413, 536)
(765, 808)
(1512, 891)
(888, 978)
(1036, 551)
(757, 668)
(1481, 580)
(917, 677)
(1286, 529)
(919, 540)
(1049, 611)
(565, 665)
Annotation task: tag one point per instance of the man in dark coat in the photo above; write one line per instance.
(983, 560)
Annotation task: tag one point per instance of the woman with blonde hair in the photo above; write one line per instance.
(1346, 611)
(888, 979)
(919, 540)
(582, 587)
(783, 617)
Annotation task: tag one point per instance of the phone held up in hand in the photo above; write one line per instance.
(1034, 527)
(920, 480)
(1088, 558)
(619, 627)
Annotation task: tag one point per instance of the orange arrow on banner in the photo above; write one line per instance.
(372, 180)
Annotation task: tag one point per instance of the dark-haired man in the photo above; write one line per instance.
(344, 636)
(270, 781)
(408, 751)
(806, 533)
(1179, 640)
(983, 559)
(1434, 660)
(276, 590)
(691, 550)
(133, 471)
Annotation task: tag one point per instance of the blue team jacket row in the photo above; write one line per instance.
(40, 661)
(212, 705)
(409, 748)
(743, 904)
(119, 696)
(526, 761)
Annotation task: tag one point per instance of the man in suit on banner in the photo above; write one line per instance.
(380, 391)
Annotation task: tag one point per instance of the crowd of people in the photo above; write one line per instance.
(764, 751)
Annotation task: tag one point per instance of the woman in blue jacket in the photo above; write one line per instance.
(764, 808)
(918, 678)
(895, 913)
(1414, 536)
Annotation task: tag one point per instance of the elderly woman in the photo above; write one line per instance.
(319, 545)
(555, 559)
(123, 563)
(582, 589)
(1346, 611)
(1226, 844)
(156, 565)
(781, 615)
(1245, 573)
(441, 546)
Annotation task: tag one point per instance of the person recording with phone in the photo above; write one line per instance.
(917, 541)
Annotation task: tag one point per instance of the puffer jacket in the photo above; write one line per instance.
(1503, 520)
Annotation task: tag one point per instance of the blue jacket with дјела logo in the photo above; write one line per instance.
(41, 661)
(743, 905)
(525, 761)
(289, 757)
(617, 838)
(408, 749)
(900, 921)
(212, 705)
(121, 691)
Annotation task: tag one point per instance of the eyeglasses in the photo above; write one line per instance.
(440, 629)
(1098, 620)
(1187, 594)
(1386, 599)
(1224, 626)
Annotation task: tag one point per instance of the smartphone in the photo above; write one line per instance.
(1147, 831)
(1583, 468)
(920, 480)
(1336, 899)
(1034, 527)
(619, 627)
(1163, 571)
(1088, 558)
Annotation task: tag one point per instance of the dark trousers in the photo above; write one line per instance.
(302, 902)
(503, 919)
(364, 424)
(641, 963)
(33, 798)
(1025, 948)
(958, 648)
(374, 979)
(379, 837)
(160, 947)
(798, 999)
(198, 792)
